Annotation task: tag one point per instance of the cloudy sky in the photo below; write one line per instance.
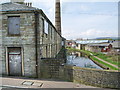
(88, 19)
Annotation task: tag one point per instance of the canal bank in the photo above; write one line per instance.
(102, 63)
(104, 78)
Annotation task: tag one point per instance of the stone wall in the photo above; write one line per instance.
(94, 77)
(49, 68)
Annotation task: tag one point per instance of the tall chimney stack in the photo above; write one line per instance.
(58, 16)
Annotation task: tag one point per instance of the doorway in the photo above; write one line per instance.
(15, 61)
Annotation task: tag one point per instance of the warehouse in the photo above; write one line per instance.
(26, 36)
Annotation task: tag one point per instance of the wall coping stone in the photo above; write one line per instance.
(76, 67)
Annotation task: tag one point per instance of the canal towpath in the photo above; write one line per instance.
(106, 61)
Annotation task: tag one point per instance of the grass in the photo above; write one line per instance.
(100, 55)
(106, 58)
(103, 63)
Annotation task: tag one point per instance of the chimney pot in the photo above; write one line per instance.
(28, 4)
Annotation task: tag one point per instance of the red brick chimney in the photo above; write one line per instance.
(58, 16)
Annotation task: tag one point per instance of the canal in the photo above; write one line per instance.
(80, 59)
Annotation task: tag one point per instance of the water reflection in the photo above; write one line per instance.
(79, 59)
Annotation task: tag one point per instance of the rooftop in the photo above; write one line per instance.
(11, 7)
(99, 44)
(92, 41)
(15, 7)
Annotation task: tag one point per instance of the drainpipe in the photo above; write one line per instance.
(36, 45)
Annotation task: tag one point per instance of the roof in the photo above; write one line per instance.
(15, 7)
(92, 41)
(99, 44)
(10, 6)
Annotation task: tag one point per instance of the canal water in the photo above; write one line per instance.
(79, 59)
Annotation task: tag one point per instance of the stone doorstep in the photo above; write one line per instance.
(30, 83)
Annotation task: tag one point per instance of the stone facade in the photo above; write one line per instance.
(26, 41)
(34, 42)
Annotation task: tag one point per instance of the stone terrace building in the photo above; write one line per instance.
(26, 36)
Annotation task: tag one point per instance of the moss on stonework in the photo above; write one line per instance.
(62, 53)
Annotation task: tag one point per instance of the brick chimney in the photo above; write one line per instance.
(57, 16)
(18, 1)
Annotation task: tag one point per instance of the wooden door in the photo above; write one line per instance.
(15, 62)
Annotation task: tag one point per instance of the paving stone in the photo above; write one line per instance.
(27, 83)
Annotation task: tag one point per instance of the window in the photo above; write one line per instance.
(14, 25)
(14, 51)
(51, 33)
(43, 25)
(77, 45)
(63, 43)
(46, 27)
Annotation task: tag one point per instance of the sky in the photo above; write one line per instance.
(83, 18)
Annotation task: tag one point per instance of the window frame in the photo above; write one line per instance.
(46, 27)
(8, 27)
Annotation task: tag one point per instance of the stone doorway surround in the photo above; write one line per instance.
(7, 63)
